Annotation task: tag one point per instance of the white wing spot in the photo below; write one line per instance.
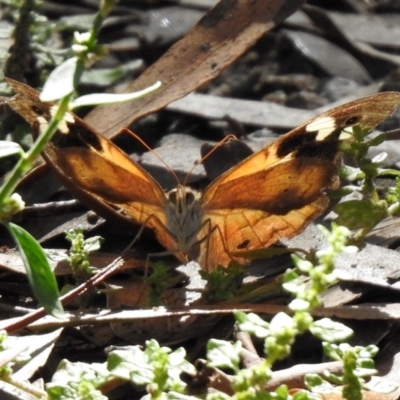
(68, 117)
(346, 134)
(42, 123)
(323, 125)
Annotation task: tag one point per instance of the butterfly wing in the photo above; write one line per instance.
(278, 202)
(96, 170)
(278, 191)
(319, 137)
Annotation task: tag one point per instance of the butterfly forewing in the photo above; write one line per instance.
(89, 163)
(278, 189)
(317, 138)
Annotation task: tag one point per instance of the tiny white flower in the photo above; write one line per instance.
(19, 204)
(81, 37)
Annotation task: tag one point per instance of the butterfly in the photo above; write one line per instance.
(272, 194)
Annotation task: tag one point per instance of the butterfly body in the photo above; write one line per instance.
(183, 216)
(273, 194)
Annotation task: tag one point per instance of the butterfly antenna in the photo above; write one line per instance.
(146, 146)
(198, 162)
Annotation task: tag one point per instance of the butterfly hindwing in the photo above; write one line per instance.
(275, 203)
(241, 230)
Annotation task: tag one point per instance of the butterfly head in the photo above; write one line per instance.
(183, 214)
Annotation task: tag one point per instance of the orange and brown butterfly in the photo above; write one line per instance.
(273, 194)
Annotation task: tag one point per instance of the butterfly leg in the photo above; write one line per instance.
(137, 236)
(168, 239)
(211, 246)
(217, 251)
(210, 232)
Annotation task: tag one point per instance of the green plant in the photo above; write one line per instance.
(15, 356)
(280, 333)
(80, 251)
(60, 85)
(158, 369)
(365, 213)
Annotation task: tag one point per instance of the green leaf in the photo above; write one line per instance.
(330, 331)
(223, 354)
(40, 276)
(302, 395)
(299, 305)
(355, 214)
(78, 381)
(332, 351)
(388, 171)
(92, 244)
(377, 140)
(318, 385)
(253, 324)
(8, 148)
(369, 351)
(282, 325)
(179, 364)
(379, 158)
(351, 173)
(60, 83)
(146, 367)
(131, 364)
(108, 98)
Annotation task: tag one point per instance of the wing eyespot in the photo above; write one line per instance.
(37, 110)
(243, 245)
(352, 121)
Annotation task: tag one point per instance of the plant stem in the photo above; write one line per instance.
(27, 159)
